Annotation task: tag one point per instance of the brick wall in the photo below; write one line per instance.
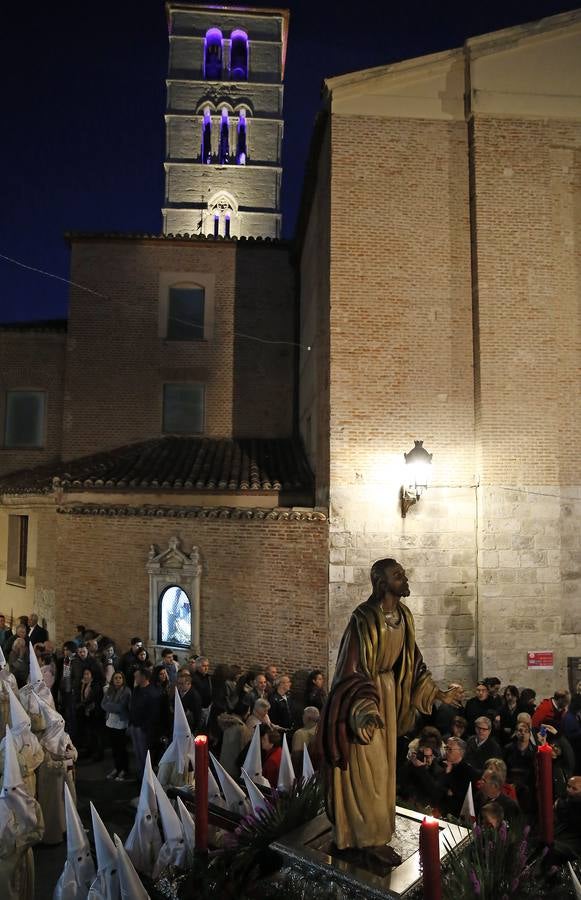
(117, 363)
(33, 360)
(264, 360)
(263, 584)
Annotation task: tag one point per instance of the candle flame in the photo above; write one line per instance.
(201, 739)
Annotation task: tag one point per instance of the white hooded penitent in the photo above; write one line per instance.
(181, 751)
(286, 772)
(256, 797)
(173, 852)
(54, 738)
(308, 770)
(106, 884)
(129, 880)
(144, 841)
(19, 718)
(189, 828)
(253, 760)
(233, 794)
(13, 790)
(79, 870)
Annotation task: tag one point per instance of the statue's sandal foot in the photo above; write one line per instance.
(383, 856)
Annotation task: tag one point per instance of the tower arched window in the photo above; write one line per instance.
(241, 151)
(213, 55)
(224, 149)
(207, 136)
(239, 55)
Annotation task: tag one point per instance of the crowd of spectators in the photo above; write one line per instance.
(127, 701)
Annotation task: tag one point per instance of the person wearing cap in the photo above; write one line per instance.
(21, 826)
(129, 662)
(57, 769)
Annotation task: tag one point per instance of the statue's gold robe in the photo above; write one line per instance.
(379, 670)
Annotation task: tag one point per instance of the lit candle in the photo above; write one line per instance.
(430, 858)
(201, 819)
(545, 793)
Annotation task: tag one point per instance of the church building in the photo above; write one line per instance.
(210, 451)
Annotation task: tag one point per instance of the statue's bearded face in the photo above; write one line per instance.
(397, 582)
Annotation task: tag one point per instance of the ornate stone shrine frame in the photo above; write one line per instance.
(173, 566)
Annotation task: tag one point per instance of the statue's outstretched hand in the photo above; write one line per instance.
(365, 720)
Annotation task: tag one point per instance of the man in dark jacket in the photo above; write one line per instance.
(458, 774)
(37, 634)
(281, 708)
(202, 684)
(129, 663)
(491, 791)
(144, 715)
(482, 746)
(480, 705)
(190, 699)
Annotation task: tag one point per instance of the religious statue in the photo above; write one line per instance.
(379, 683)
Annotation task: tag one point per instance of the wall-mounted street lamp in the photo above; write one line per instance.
(418, 470)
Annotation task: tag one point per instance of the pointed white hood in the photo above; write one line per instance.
(173, 851)
(233, 794)
(181, 751)
(34, 675)
(256, 797)
(144, 841)
(19, 718)
(129, 881)
(79, 871)
(468, 812)
(286, 772)
(106, 883)
(17, 798)
(308, 770)
(2, 659)
(54, 738)
(214, 795)
(189, 828)
(575, 881)
(253, 760)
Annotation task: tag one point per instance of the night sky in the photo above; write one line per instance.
(84, 98)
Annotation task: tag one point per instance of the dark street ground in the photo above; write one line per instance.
(111, 799)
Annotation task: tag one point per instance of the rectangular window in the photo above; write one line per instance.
(17, 549)
(24, 419)
(183, 408)
(185, 318)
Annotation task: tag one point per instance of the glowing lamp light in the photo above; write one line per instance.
(418, 470)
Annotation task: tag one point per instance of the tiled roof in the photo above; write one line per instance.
(278, 514)
(175, 464)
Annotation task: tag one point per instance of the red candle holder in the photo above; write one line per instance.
(545, 793)
(430, 858)
(201, 793)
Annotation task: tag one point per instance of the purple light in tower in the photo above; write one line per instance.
(239, 55)
(213, 55)
(224, 150)
(227, 227)
(216, 226)
(241, 142)
(207, 136)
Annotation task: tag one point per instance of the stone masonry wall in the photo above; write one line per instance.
(401, 370)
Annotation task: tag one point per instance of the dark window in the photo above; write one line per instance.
(185, 316)
(17, 549)
(24, 424)
(216, 226)
(213, 55)
(241, 151)
(227, 227)
(183, 408)
(224, 149)
(239, 55)
(174, 618)
(207, 138)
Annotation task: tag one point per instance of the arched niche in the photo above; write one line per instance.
(174, 589)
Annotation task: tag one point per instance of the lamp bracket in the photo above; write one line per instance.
(407, 501)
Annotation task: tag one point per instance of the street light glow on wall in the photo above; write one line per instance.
(418, 470)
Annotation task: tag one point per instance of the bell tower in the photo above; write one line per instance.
(224, 122)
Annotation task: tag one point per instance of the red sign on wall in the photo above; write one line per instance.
(540, 659)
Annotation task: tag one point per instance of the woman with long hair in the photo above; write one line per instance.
(508, 713)
(161, 680)
(116, 703)
(90, 715)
